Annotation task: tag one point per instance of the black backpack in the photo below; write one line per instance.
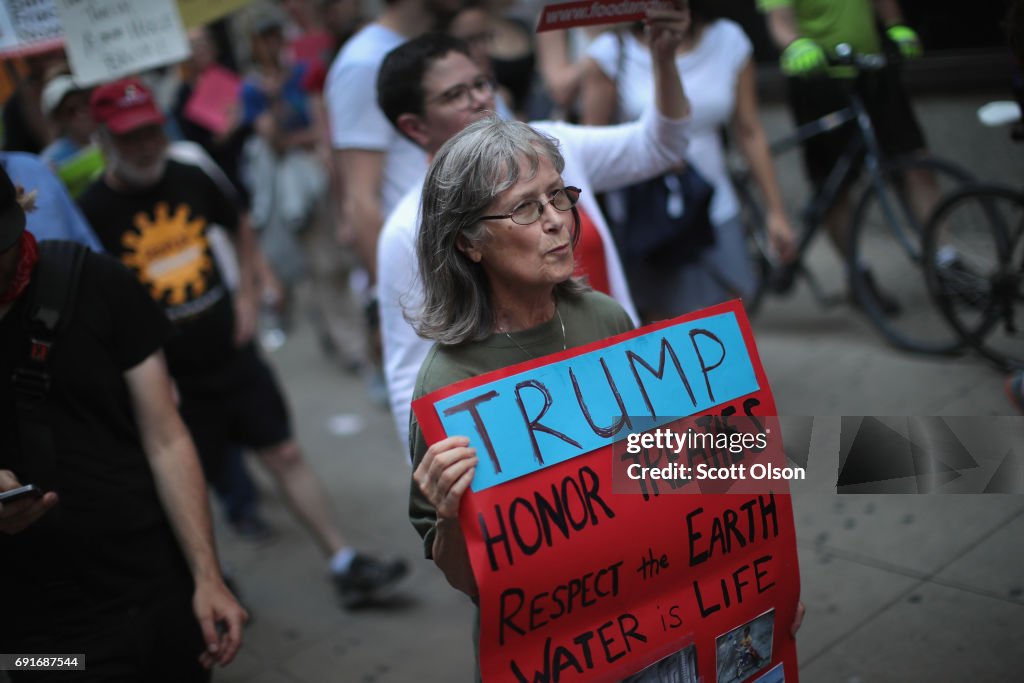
(47, 315)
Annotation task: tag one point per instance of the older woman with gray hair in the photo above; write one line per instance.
(495, 251)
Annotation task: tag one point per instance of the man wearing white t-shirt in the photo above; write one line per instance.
(376, 164)
(430, 89)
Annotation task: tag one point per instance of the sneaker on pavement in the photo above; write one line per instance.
(367, 579)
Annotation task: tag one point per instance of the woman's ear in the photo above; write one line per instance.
(469, 248)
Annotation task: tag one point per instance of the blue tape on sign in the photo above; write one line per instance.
(549, 414)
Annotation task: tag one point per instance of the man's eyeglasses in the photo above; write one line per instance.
(458, 96)
(529, 211)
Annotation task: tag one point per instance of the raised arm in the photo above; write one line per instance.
(665, 31)
(561, 77)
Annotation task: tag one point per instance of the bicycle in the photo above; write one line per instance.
(974, 242)
(883, 257)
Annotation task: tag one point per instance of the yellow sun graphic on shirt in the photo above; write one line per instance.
(170, 253)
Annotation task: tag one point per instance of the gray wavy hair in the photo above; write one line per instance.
(467, 173)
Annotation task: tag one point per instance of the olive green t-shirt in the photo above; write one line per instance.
(588, 318)
(831, 22)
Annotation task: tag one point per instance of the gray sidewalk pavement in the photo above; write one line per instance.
(898, 588)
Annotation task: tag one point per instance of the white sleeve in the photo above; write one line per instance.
(604, 50)
(621, 155)
(739, 48)
(399, 291)
(355, 119)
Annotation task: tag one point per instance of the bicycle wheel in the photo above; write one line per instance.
(884, 254)
(974, 267)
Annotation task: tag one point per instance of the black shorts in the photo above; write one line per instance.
(241, 404)
(885, 98)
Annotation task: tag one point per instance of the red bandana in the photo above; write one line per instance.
(23, 272)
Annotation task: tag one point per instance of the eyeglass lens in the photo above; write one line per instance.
(528, 212)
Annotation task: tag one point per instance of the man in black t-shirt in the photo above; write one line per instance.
(116, 560)
(155, 215)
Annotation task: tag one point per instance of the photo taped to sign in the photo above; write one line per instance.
(746, 649)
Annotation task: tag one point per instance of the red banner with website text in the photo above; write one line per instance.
(595, 12)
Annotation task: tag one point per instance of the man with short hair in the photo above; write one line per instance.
(115, 560)
(155, 214)
(430, 89)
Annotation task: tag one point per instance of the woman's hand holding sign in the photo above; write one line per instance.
(443, 476)
(445, 473)
(666, 29)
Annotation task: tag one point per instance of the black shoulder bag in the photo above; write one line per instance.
(668, 218)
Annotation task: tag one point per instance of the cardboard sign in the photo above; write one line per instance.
(199, 12)
(594, 12)
(214, 100)
(29, 26)
(580, 583)
(107, 39)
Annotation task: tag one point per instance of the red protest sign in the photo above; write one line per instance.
(594, 12)
(580, 583)
(214, 99)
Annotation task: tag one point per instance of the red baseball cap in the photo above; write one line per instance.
(125, 105)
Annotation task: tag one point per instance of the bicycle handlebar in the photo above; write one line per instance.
(845, 56)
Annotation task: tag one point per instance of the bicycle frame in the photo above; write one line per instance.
(864, 145)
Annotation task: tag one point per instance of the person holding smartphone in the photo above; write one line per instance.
(110, 555)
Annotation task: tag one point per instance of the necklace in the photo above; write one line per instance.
(561, 323)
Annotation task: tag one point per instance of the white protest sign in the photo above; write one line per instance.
(28, 26)
(107, 39)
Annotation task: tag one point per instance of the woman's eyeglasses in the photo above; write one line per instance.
(529, 211)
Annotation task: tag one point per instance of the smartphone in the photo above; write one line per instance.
(29, 490)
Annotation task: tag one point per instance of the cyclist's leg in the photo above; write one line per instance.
(900, 134)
